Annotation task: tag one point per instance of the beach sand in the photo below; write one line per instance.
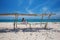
(24, 32)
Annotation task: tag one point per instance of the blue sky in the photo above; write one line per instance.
(31, 7)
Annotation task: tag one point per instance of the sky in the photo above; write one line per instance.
(31, 7)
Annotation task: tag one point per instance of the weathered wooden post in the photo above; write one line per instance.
(49, 15)
(15, 21)
(42, 19)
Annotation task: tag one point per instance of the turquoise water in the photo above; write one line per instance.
(31, 20)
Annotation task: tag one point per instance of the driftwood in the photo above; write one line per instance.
(16, 17)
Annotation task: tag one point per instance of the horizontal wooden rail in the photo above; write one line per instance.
(16, 16)
(26, 14)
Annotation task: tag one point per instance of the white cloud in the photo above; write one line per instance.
(29, 4)
(29, 11)
(41, 5)
(45, 9)
(57, 16)
(20, 2)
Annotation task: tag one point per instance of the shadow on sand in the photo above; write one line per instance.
(23, 30)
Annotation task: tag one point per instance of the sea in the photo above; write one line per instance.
(31, 20)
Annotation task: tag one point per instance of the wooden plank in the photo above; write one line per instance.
(25, 14)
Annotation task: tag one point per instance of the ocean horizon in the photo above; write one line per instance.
(31, 20)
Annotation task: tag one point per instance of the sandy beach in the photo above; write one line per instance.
(24, 32)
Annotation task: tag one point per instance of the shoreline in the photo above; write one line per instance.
(33, 24)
